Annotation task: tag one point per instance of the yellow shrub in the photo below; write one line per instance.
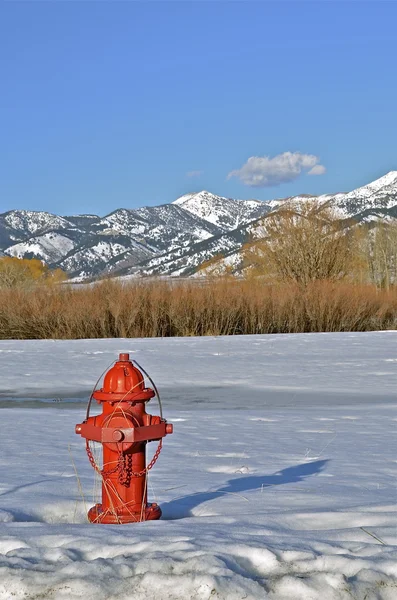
(16, 272)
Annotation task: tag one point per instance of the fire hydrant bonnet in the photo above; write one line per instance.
(123, 382)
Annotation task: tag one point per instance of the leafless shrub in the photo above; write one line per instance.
(219, 307)
(302, 243)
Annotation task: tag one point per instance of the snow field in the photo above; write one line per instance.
(270, 487)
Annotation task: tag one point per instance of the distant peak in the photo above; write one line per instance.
(198, 195)
(391, 174)
(389, 178)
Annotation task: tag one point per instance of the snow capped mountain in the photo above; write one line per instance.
(186, 260)
(376, 199)
(98, 253)
(29, 221)
(27, 226)
(95, 257)
(163, 227)
(372, 188)
(170, 239)
(225, 213)
(379, 196)
(87, 246)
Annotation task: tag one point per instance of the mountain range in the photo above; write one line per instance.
(171, 239)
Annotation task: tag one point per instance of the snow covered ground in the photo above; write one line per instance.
(278, 482)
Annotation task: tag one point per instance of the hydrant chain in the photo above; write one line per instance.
(152, 462)
(103, 471)
(125, 468)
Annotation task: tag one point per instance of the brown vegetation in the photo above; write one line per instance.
(302, 244)
(220, 307)
(23, 272)
(307, 242)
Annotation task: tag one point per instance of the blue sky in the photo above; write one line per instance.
(125, 104)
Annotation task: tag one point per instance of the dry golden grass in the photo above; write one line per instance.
(219, 307)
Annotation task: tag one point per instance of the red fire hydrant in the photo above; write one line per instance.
(124, 428)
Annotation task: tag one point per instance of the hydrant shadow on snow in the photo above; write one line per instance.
(184, 506)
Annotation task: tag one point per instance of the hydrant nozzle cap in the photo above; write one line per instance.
(124, 357)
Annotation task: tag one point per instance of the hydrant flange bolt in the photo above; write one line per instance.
(118, 435)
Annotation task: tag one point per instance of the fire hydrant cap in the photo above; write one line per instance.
(123, 382)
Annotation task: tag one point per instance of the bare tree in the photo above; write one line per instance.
(302, 242)
(381, 254)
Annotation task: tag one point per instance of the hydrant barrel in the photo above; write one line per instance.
(124, 429)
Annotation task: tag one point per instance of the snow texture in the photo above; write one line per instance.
(50, 247)
(278, 482)
(33, 221)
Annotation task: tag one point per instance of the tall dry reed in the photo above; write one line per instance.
(218, 307)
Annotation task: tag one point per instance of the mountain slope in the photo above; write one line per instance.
(50, 247)
(185, 261)
(163, 227)
(96, 254)
(19, 225)
(379, 197)
(170, 239)
(29, 221)
(225, 213)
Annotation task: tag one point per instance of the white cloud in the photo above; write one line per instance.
(194, 173)
(317, 170)
(263, 171)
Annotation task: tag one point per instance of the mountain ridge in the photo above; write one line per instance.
(169, 239)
